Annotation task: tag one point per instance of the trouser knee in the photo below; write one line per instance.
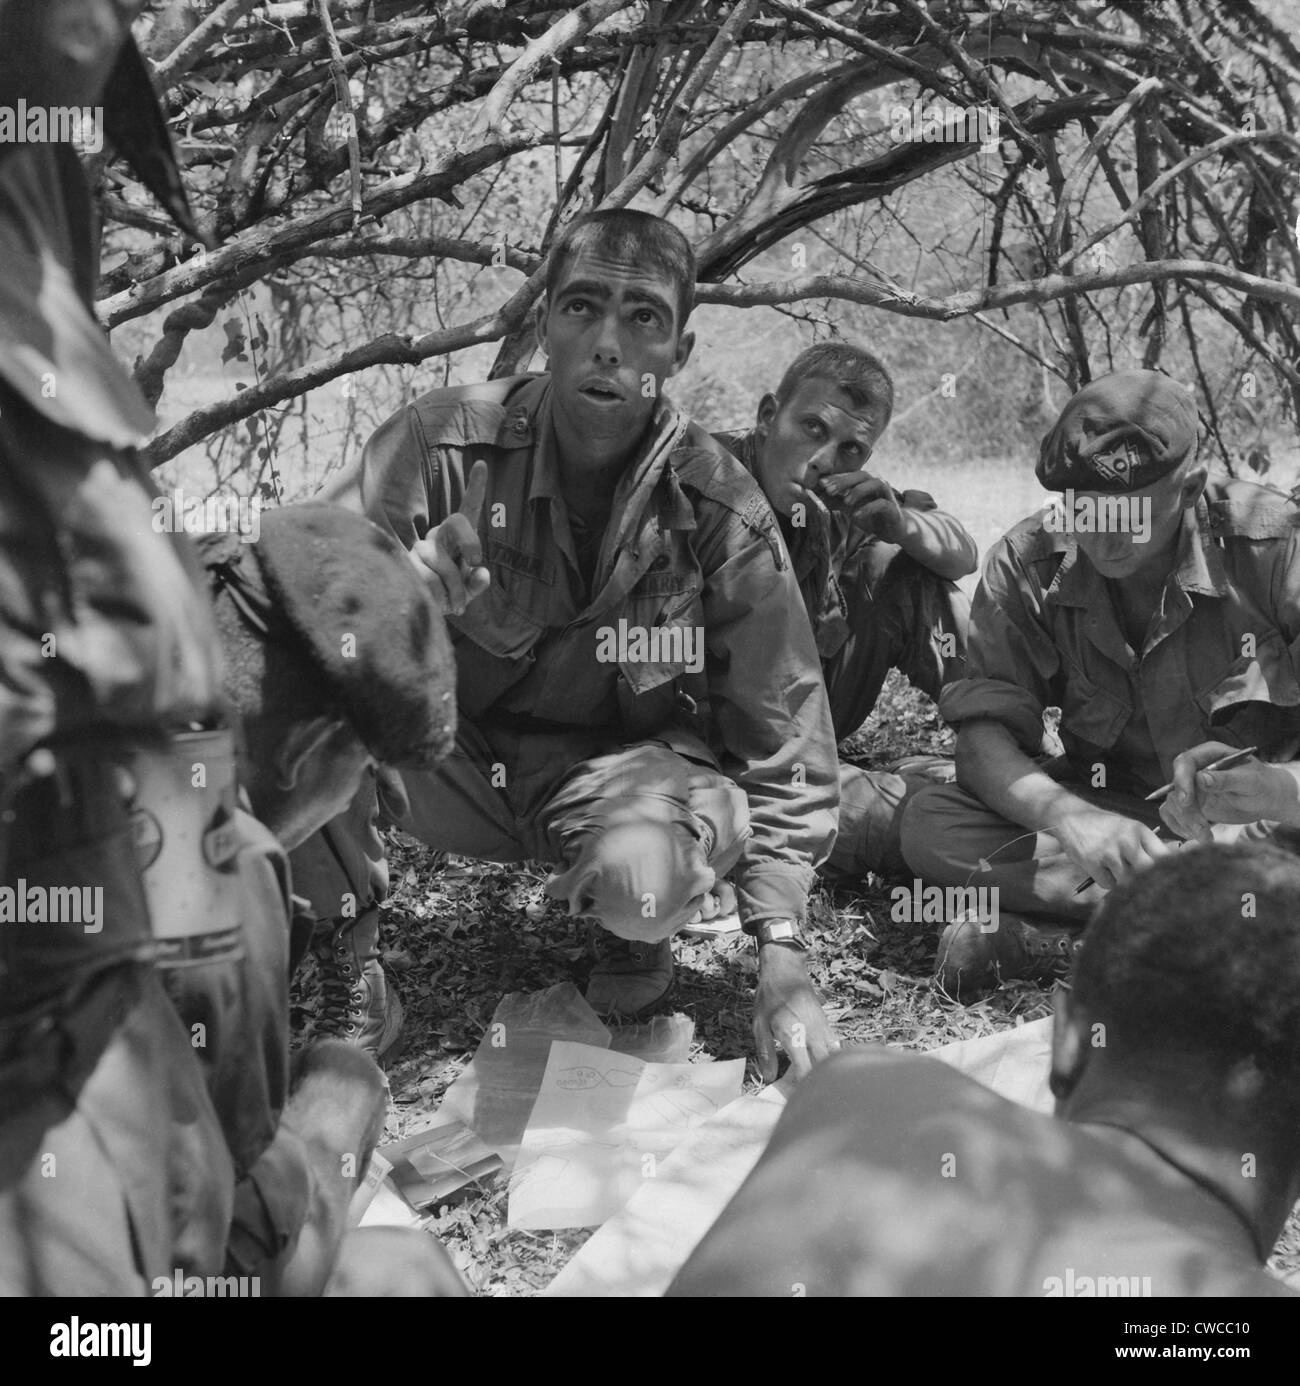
(639, 879)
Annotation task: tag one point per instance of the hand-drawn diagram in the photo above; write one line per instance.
(601, 1123)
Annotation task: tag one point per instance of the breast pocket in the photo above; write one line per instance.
(665, 630)
(508, 619)
(1090, 713)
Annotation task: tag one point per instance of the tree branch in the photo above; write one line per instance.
(262, 245)
(343, 99)
(393, 348)
(490, 120)
(1045, 290)
(188, 52)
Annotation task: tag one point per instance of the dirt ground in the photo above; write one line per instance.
(459, 934)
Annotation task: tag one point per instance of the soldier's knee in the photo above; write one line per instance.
(639, 879)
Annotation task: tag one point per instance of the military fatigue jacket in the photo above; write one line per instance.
(1220, 660)
(828, 547)
(691, 546)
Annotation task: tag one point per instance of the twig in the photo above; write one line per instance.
(1154, 190)
(343, 98)
(392, 348)
(490, 120)
(266, 245)
(191, 48)
(851, 38)
(975, 74)
(1106, 132)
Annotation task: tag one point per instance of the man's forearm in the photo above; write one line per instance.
(992, 766)
(939, 542)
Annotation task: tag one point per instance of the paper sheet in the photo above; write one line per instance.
(1016, 1064)
(602, 1125)
(639, 1250)
(495, 1094)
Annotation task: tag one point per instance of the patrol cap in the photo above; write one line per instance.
(1120, 433)
(345, 594)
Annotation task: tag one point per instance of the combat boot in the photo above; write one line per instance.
(357, 1004)
(976, 954)
(630, 976)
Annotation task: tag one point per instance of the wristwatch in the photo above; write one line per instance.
(783, 931)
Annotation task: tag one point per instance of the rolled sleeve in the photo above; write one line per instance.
(993, 700)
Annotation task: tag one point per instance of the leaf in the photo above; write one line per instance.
(234, 348)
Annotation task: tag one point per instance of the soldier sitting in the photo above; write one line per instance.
(639, 693)
(876, 568)
(1169, 1167)
(1160, 611)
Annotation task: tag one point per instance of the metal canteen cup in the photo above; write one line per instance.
(186, 844)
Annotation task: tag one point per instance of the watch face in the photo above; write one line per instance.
(784, 932)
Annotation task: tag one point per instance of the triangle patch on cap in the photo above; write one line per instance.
(1119, 464)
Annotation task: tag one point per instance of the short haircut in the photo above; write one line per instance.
(1199, 953)
(634, 238)
(858, 373)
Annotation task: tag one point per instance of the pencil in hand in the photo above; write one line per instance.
(1223, 763)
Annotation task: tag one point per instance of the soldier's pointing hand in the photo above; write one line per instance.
(450, 557)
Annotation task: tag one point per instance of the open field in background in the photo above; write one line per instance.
(457, 938)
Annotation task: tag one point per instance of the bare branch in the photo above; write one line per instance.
(975, 74)
(392, 348)
(343, 99)
(491, 116)
(262, 245)
(1109, 128)
(1156, 188)
(1045, 290)
(188, 52)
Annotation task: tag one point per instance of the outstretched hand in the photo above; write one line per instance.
(788, 1012)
